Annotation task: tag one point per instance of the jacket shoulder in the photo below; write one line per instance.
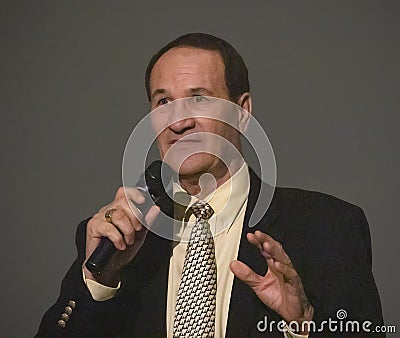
(319, 216)
(309, 202)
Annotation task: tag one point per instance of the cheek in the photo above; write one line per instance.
(160, 117)
(158, 123)
(218, 128)
(209, 125)
(162, 143)
(229, 135)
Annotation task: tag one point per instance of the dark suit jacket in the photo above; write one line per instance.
(327, 239)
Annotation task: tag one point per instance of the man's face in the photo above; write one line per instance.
(189, 72)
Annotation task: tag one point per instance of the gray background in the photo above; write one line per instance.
(325, 84)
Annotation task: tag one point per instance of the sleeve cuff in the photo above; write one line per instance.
(99, 291)
(290, 334)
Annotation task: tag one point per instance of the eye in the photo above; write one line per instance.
(162, 101)
(199, 98)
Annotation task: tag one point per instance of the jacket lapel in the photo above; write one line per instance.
(148, 273)
(244, 304)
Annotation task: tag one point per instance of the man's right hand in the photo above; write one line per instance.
(126, 232)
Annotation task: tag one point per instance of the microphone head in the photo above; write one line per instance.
(157, 176)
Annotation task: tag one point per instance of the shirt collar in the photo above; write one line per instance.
(227, 200)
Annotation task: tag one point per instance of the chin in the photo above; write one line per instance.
(193, 164)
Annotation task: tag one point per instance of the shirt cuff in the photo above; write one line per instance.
(99, 291)
(290, 334)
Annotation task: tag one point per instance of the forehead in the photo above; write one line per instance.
(188, 66)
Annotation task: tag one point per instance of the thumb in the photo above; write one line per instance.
(152, 214)
(244, 273)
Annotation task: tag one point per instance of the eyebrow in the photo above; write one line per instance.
(201, 90)
(158, 92)
(191, 91)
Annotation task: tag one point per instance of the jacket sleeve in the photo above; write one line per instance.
(80, 315)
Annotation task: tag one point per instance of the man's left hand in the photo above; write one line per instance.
(281, 288)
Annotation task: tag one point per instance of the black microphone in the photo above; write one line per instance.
(151, 184)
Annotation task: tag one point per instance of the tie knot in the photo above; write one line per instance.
(202, 210)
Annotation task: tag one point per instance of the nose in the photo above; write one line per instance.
(180, 126)
(180, 118)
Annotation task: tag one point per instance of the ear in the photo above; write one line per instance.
(245, 103)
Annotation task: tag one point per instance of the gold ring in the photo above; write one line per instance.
(108, 215)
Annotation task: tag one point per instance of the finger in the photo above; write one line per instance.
(125, 208)
(105, 229)
(124, 224)
(272, 248)
(131, 194)
(255, 241)
(128, 203)
(130, 232)
(245, 274)
(136, 216)
(289, 274)
(152, 214)
(133, 213)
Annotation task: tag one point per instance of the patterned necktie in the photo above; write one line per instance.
(195, 305)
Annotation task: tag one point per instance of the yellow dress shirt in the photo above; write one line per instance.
(226, 226)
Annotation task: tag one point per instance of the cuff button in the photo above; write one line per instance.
(64, 317)
(61, 323)
(72, 304)
(68, 310)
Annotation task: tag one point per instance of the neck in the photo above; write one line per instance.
(205, 182)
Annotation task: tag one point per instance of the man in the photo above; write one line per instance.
(308, 257)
